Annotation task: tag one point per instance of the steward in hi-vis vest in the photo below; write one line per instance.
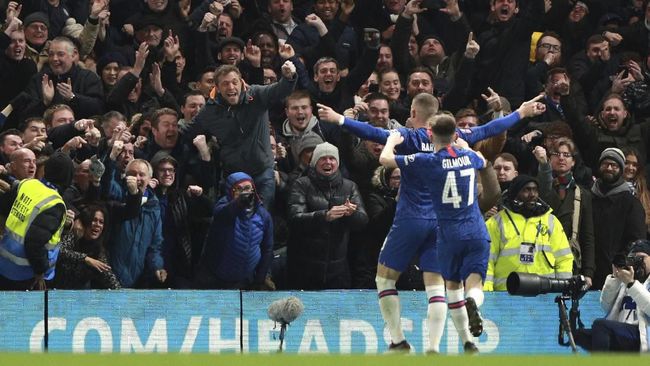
(35, 215)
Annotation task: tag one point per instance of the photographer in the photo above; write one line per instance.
(239, 248)
(626, 298)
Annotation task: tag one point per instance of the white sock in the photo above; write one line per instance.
(477, 295)
(390, 308)
(456, 303)
(436, 315)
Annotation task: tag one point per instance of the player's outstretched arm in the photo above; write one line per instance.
(530, 108)
(387, 157)
(362, 130)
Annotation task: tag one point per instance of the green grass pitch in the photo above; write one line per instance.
(316, 360)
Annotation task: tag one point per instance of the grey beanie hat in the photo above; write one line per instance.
(324, 149)
(37, 17)
(308, 140)
(614, 154)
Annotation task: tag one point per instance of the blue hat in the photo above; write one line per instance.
(236, 178)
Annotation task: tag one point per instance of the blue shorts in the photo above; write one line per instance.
(459, 258)
(407, 238)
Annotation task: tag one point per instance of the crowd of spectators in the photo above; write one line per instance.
(201, 161)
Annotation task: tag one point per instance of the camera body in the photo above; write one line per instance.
(433, 4)
(246, 200)
(630, 260)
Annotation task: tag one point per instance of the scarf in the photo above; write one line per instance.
(602, 189)
(563, 183)
(323, 182)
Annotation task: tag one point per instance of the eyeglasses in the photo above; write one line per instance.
(609, 164)
(552, 47)
(562, 154)
(167, 170)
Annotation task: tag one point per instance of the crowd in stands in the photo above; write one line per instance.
(200, 159)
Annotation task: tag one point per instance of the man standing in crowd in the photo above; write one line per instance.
(63, 82)
(619, 218)
(236, 116)
(33, 217)
(323, 208)
(135, 253)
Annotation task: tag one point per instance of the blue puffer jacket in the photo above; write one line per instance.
(136, 244)
(239, 246)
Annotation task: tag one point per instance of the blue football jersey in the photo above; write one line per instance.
(450, 175)
(415, 201)
(414, 197)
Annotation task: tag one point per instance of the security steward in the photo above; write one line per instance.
(33, 214)
(526, 237)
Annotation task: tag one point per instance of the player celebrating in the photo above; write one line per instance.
(463, 239)
(414, 226)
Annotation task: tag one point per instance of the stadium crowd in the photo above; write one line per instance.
(200, 159)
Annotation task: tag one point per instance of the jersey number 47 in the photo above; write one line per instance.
(450, 190)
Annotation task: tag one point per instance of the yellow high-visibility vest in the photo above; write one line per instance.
(535, 245)
(33, 198)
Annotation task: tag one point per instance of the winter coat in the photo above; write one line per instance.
(593, 140)
(563, 210)
(239, 246)
(86, 86)
(14, 75)
(136, 244)
(181, 245)
(242, 130)
(619, 220)
(317, 250)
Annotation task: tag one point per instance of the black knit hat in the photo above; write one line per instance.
(518, 184)
(149, 19)
(110, 57)
(423, 37)
(59, 170)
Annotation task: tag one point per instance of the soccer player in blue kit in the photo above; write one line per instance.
(463, 240)
(415, 225)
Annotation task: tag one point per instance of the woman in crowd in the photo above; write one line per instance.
(635, 174)
(82, 261)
